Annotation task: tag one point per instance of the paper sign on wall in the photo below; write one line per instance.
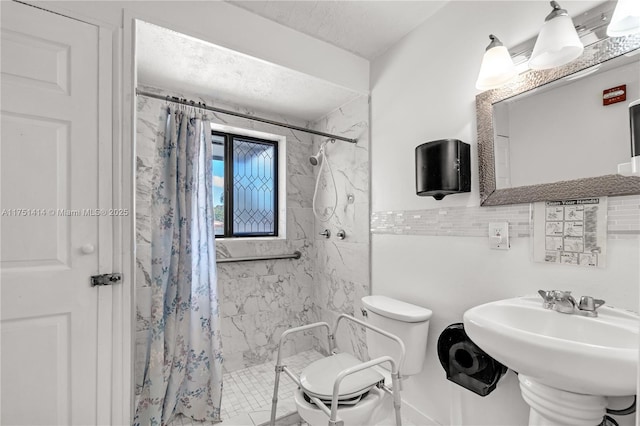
(571, 232)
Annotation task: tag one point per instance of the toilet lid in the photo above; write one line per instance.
(318, 377)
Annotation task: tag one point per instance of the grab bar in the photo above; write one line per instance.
(395, 393)
(295, 255)
(282, 368)
(379, 331)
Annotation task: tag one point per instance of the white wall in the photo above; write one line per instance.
(452, 274)
(229, 26)
(423, 89)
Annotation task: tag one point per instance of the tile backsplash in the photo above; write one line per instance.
(623, 220)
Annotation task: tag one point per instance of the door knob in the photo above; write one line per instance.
(87, 249)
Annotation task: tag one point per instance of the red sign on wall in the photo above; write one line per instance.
(614, 95)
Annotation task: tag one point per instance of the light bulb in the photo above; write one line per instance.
(497, 67)
(558, 42)
(625, 19)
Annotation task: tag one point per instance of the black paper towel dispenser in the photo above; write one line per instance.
(465, 363)
(443, 167)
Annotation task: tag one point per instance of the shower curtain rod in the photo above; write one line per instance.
(238, 114)
(295, 255)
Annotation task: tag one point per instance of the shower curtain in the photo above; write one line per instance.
(183, 372)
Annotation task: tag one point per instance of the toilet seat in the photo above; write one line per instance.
(317, 378)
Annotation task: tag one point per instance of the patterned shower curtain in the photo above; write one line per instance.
(183, 373)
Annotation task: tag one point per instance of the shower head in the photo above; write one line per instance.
(315, 159)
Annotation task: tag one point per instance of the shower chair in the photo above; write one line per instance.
(332, 411)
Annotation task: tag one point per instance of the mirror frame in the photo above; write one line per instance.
(607, 185)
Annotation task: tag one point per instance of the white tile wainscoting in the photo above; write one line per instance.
(623, 220)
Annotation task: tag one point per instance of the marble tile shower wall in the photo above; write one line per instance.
(623, 220)
(259, 300)
(342, 266)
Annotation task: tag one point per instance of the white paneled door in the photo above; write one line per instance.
(50, 219)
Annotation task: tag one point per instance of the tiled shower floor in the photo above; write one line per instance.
(247, 393)
(251, 389)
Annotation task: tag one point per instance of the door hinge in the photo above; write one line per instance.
(105, 279)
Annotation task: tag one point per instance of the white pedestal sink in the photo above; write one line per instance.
(566, 363)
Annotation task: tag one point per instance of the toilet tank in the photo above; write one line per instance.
(409, 322)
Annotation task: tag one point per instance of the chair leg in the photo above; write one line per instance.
(395, 384)
(274, 401)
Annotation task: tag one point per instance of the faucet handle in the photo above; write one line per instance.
(547, 297)
(589, 304)
(546, 294)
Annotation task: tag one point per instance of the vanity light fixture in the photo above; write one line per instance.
(497, 67)
(625, 19)
(558, 42)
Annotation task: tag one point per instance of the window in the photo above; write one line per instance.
(245, 186)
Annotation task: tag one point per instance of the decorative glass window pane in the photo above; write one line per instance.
(218, 183)
(245, 186)
(254, 187)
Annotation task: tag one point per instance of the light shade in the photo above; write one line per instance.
(625, 19)
(558, 42)
(497, 66)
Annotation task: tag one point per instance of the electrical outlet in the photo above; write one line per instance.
(499, 235)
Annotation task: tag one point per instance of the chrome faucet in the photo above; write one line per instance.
(563, 301)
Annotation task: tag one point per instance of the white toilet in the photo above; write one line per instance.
(361, 402)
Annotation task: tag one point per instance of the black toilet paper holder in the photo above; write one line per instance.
(465, 363)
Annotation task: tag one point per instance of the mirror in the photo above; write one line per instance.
(529, 152)
(562, 130)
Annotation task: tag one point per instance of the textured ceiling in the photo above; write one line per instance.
(366, 28)
(176, 62)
